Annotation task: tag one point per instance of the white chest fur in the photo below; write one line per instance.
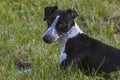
(63, 55)
(70, 34)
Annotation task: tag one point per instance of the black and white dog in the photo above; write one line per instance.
(76, 47)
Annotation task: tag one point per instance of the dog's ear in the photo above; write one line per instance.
(49, 10)
(73, 12)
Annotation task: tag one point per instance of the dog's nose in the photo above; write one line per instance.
(47, 39)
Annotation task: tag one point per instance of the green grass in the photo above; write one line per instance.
(22, 25)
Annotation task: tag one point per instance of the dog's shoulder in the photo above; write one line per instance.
(81, 39)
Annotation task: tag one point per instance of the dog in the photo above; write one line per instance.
(77, 48)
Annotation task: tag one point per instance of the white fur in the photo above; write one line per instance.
(70, 34)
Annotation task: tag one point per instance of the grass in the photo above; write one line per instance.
(22, 25)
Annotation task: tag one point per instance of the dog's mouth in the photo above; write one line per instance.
(50, 39)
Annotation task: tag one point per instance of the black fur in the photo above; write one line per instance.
(87, 53)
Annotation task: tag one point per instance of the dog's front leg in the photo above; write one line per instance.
(74, 64)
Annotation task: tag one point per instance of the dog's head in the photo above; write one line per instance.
(59, 22)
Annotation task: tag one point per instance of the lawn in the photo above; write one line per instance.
(22, 25)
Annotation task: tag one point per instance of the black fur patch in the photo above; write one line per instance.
(88, 53)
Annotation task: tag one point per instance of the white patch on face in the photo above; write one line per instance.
(70, 34)
(51, 31)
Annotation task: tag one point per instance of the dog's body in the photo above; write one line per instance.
(77, 48)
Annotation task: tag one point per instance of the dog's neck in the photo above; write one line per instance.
(71, 33)
(74, 31)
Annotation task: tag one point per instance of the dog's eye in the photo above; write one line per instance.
(49, 22)
(62, 27)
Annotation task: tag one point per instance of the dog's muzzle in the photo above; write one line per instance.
(51, 34)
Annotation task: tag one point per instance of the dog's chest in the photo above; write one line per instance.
(74, 31)
(63, 55)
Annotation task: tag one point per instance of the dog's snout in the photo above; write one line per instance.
(48, 39)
